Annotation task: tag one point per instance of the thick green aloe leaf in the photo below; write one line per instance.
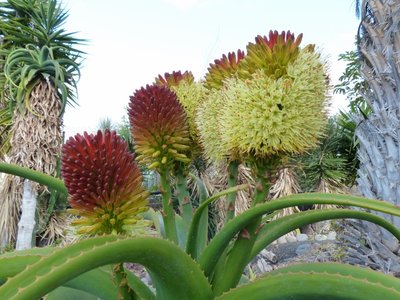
(210, 256)
(66, 293)
(12, 263)
(319, 281)
(96, 282)
(197, 227)
(142, 290)
(175, 275)
(277, 228)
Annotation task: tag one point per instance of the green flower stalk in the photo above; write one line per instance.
(189, 94)
(159, 127)
(104, 183)
(161, 135)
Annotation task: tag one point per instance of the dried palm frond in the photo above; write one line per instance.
(243, 197)
(57, 229)
(36, 144)
(286, 184)
(329, 186)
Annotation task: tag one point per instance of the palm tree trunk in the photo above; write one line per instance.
(379, 133)
(36, 143)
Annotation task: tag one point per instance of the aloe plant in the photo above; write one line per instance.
(104, 188)
(179, 275)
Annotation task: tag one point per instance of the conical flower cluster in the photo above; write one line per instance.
(222, 69)
(159, 127)
(271, 54)
(274, 104)
(104, 183)
(174, 78)
(189, 93)
(207, 118)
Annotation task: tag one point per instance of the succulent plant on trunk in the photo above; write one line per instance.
(39, 73)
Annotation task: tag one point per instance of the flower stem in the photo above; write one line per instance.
(168, 210)
(184, 199)
(231, 198)
(124, 290)
(237, 259)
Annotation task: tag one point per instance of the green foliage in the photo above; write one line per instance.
(37, 47)
(184, 264)
(333, 161)
(177, 276)
(352, 85)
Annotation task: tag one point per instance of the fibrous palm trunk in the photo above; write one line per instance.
(36, 143)
(379, 133)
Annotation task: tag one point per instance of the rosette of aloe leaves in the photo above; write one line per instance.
(254, 108)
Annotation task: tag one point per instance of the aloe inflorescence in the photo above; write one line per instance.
(174, 78)
(159, 127)
(273, 104)
(104, 183)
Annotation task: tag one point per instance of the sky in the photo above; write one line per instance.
(130, 42)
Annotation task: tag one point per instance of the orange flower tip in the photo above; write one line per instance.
(181, 147)
(154, 165)
(130, 221)
(180, 140)
(145, 151)
(172, 151)
(99, 210)
(89, 230)
(82, 221)
(156, 154)
(182, 159)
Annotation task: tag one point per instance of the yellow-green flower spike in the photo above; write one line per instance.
(265, 116)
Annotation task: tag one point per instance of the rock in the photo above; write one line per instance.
(331, 235)
(281, 240)
(302, 237)
(303, 248)
(320, 237)
(291, 239)
(263, 266)
(269, 255)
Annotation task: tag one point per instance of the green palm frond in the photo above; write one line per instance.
(25, 66)
(36, 46)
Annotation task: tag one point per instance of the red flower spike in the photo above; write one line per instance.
(222, 69)
(101, 177)
(159, 127)
(271, 54)
(174, 78)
